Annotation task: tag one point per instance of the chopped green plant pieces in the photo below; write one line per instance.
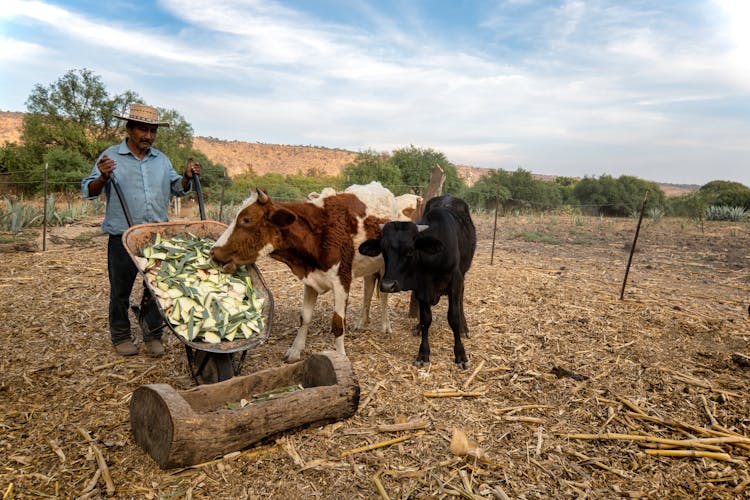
(201, 302)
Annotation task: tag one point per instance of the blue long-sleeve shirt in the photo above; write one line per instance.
(146, 185)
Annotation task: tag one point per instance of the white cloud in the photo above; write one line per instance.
(18, 51)
(738, 18)
(543, 88)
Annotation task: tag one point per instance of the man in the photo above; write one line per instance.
(147, 179)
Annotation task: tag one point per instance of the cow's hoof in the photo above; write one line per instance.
(462, 364)
(291, 356)
(467, 334)
(419, 363)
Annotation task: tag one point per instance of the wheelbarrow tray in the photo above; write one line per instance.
(139, 236)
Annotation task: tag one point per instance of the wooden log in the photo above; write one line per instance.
(182, 428)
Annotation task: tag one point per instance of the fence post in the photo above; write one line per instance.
(494, 227)
(632, 248)
(44, 221)
(221, 197)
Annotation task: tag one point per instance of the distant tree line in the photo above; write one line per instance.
(69, 122)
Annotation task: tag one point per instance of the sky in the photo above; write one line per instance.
(658, 89)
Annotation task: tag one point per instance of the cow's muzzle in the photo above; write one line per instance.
(227, 267)
(389, 286)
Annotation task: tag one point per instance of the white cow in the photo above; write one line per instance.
(406, 207)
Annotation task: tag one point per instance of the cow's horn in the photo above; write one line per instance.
(381, 226)
(422, 227)
(262, 196)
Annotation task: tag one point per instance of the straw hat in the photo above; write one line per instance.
(143, 114)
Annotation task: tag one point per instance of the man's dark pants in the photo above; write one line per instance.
(122, 273)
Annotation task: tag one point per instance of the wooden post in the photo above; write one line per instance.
(181, 428)
(494, 227)
(221, 197)
(632, 248)
(44, 227)
(435, 187)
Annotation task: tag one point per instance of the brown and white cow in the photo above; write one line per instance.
(318, 241)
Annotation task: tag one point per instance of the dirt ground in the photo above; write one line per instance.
(578, 395)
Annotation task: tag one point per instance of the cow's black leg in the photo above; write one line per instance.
(414, 313)
(425, 320)
(464, 326)
(454, 320)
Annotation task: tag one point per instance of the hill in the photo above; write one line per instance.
(242, 157)
(10, 127)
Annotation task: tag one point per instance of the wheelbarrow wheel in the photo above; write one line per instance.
(212, 367)
(224, 365)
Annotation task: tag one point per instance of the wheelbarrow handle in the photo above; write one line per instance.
(125, 209)
(199, 193)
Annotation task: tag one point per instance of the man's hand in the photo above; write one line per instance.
(106, 166)
(192, 168)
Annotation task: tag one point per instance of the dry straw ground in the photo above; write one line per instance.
(579, 395)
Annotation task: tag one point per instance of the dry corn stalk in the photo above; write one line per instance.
(690, 454)
(380, 444)
(638, 437)
(451, 394)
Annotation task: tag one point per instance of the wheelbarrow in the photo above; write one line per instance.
(208, 362)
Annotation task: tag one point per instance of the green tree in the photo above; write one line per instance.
(73, 120)
(691, 205)
(525, 190)
(306, 184)
(236, 190)
(285, 192)
(75, 113)
(487, 192)
(66, 168)
(619, 197)
(16, 162)
(566, 185)
(273, 184)
(727, 193)
(373, 166)
(590, 193)
(176, 141)
(416, 165)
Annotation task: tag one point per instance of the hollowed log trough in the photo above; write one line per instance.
(182, 428)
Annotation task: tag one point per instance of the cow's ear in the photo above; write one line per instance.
(282, 217)
(370, 247)
(428, 245)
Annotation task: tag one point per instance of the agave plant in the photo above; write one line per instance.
(15, 215)
(655, 213)
(725, 212)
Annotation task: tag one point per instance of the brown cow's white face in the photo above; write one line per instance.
(252, 233)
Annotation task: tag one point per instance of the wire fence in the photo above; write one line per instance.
(481, 201)
(508, 204)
